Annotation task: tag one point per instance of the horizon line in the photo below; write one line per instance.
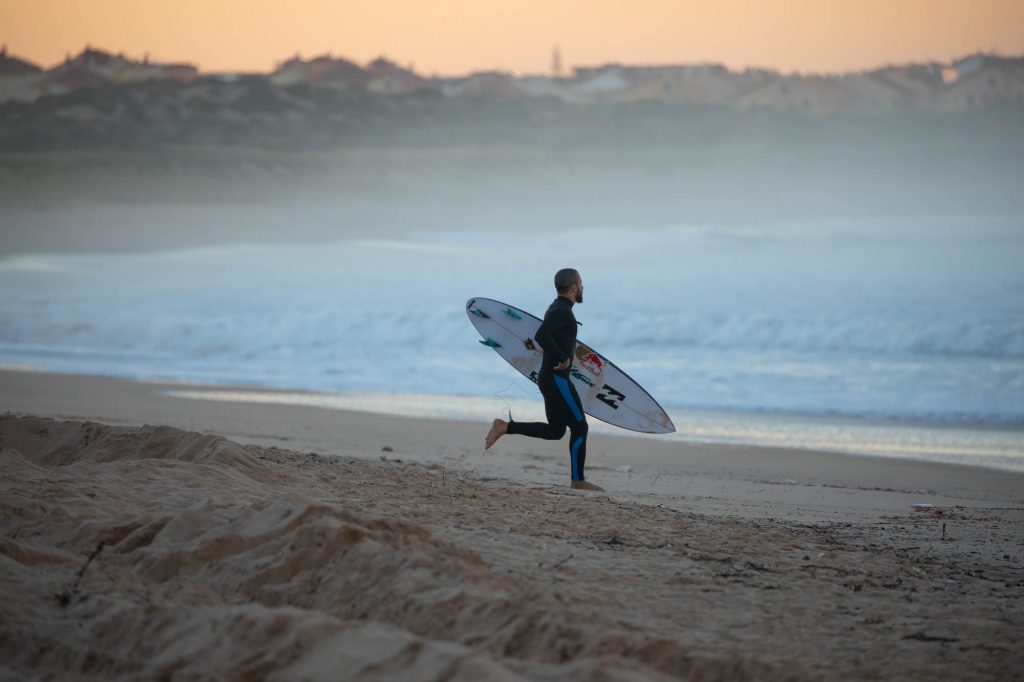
(990, 52)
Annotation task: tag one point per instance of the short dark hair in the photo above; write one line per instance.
(565, 278)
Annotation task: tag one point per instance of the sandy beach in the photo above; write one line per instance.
(148, 536)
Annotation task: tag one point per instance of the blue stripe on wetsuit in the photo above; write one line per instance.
(575, 464)
(563, 386)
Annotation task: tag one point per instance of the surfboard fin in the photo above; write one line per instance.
(480, 313)
(513, 314)
(491, 343)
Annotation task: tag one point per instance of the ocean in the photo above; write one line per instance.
(888, 337)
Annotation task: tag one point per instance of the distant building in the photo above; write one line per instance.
(870, 94)
(983, 81)
(917, 84)
(388, 77)
(546, 86)
(606, 83)
(495, 84)
(67, 77)
(323, 71)
(710, 84)
(179, 71)
(811, 95)
(96, 67)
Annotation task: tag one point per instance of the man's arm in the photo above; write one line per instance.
(553, 321)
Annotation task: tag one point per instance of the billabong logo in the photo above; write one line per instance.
(610, 397)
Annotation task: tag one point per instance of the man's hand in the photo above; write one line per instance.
(562, 365)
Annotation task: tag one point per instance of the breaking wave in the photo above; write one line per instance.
(911, 319)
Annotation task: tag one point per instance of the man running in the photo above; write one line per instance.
(557, 336)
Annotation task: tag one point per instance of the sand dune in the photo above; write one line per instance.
(220, 561)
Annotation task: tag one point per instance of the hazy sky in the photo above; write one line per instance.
(457, 36)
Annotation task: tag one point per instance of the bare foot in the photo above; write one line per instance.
(585, 485)
(498, 429)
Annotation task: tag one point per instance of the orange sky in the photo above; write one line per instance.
(458, 36)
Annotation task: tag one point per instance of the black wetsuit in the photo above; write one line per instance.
(557, 336)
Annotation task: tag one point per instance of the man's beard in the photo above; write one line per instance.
(579, 297)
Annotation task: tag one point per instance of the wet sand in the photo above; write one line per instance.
(242, 540)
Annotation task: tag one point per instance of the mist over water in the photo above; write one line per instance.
(917, 319)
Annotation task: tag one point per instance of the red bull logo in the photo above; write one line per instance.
(592, 363)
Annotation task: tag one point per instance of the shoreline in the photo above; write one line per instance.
(894, 438)
(629, 465)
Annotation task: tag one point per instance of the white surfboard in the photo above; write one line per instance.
(607, 393)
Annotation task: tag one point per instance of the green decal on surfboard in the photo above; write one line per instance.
(511, 313)
(491, 343)
(581, 376)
